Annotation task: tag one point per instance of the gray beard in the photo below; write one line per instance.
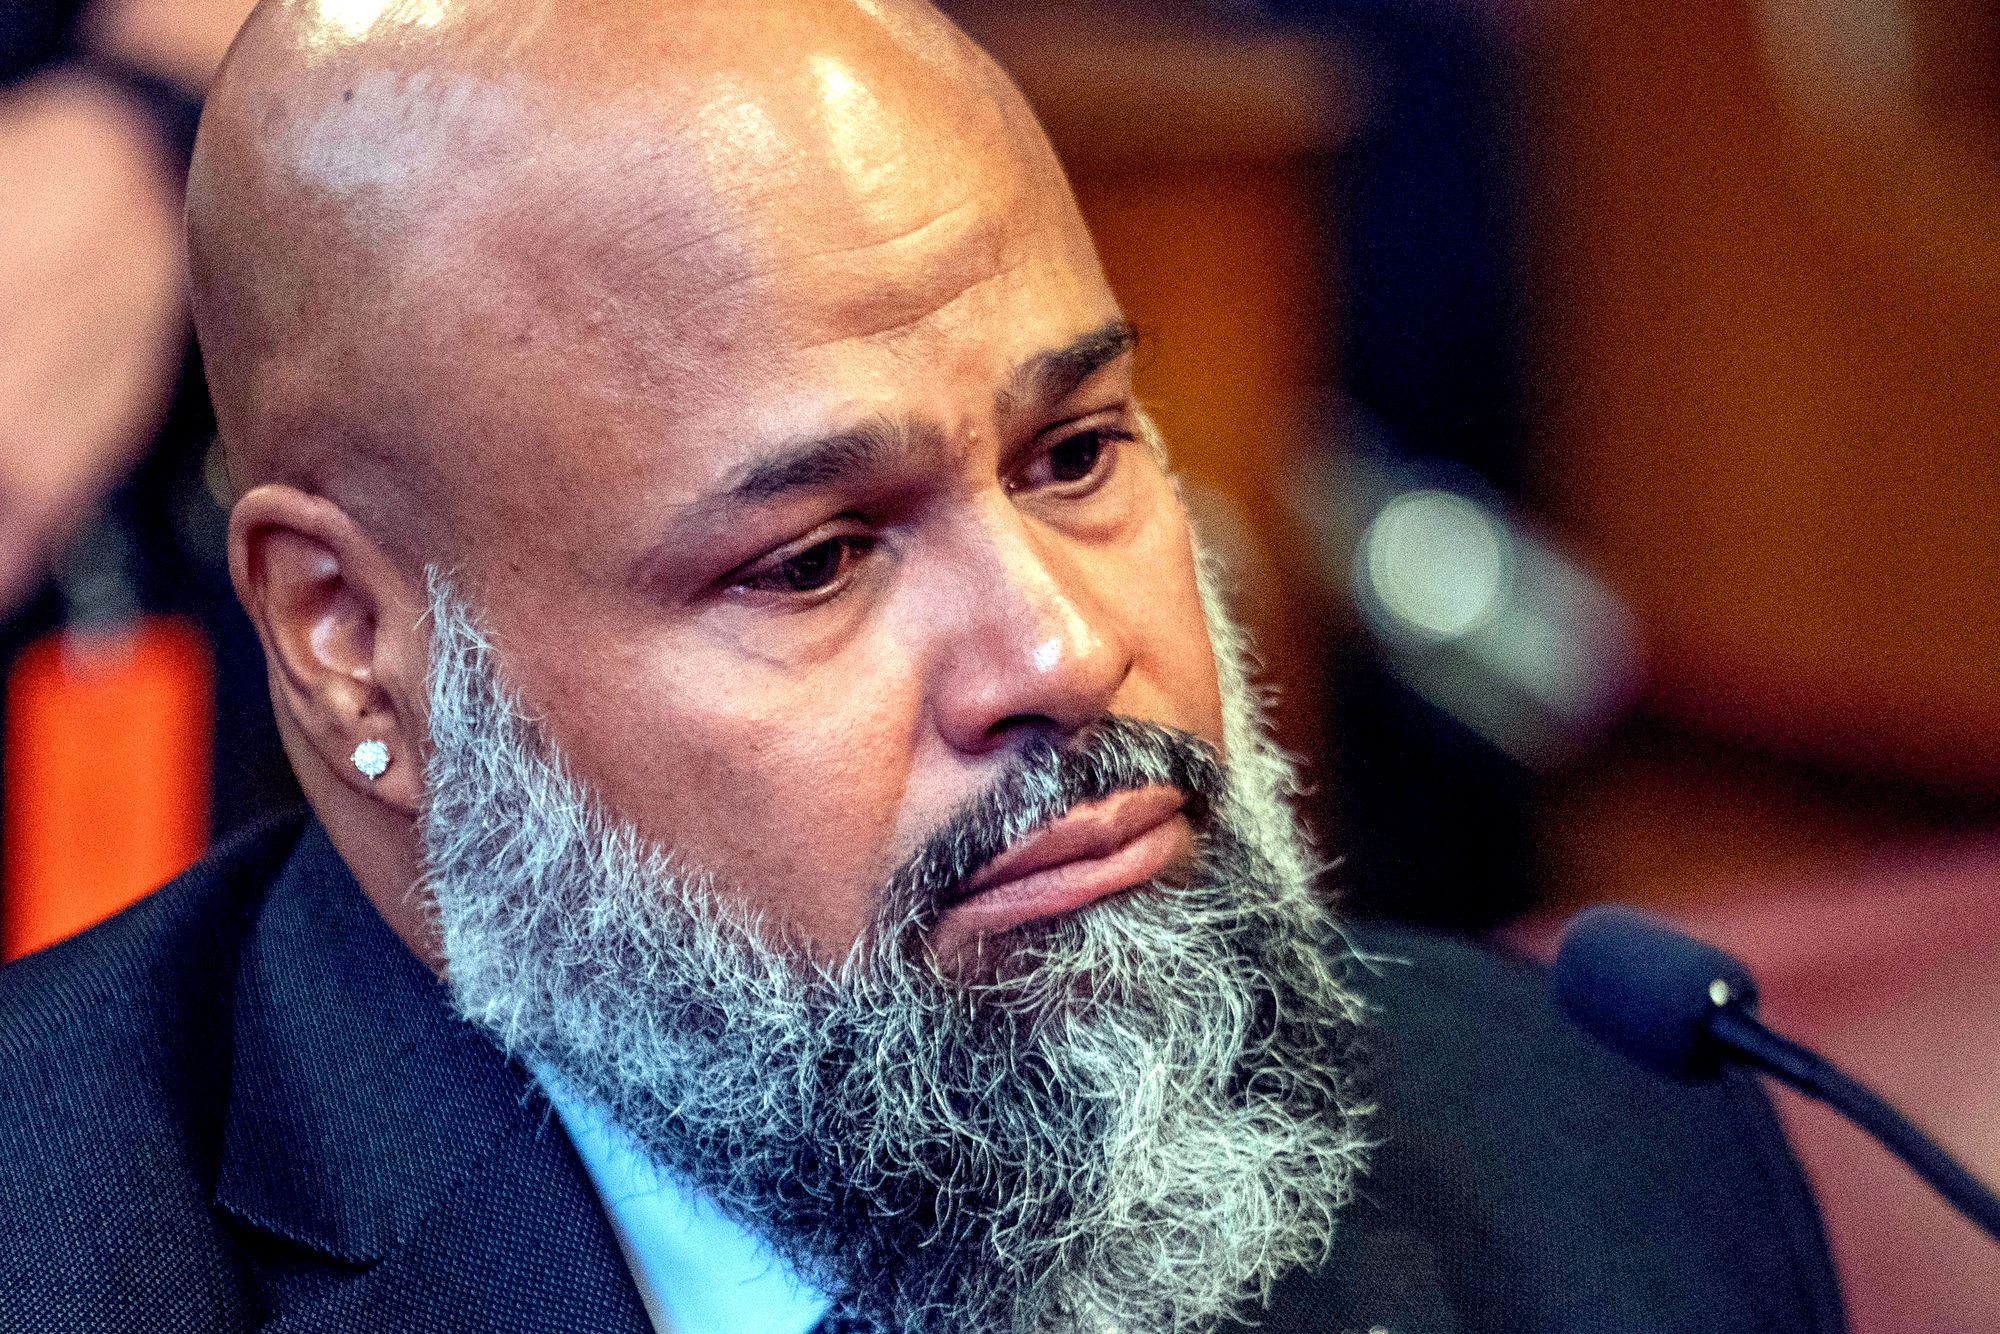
(1135, 1118)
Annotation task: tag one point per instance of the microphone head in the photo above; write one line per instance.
(1646, 990)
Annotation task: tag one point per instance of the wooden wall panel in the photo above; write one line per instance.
(1771, 299)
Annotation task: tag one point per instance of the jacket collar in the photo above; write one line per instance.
(367, 1123)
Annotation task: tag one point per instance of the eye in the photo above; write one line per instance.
(813, 569)
(1076, 458)
(1076, 461)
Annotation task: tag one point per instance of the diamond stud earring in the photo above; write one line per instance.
(372, 759)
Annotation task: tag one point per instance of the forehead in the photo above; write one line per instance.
(649, 309)
(821, 198)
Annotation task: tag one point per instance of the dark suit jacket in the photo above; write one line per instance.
(244, 1105)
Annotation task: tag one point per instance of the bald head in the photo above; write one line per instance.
(401, 212)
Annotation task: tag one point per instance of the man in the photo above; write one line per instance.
(735, 628)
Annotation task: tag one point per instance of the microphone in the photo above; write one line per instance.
(1686, 1010)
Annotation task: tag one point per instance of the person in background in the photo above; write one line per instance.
(95, 126)
(108, 522)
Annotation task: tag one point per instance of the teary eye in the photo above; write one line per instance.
(815, 567)
(1076, 457)
(812, 570)
(1075, 464)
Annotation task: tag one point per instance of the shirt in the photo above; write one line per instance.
(697, 1271)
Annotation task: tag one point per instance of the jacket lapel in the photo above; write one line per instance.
(388, 1167)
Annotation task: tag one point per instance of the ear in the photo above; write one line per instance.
(341, 627)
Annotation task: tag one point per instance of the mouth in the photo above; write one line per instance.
(1094, 850)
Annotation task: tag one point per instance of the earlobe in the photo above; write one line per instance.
(335, 619)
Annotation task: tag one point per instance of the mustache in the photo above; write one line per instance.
(1045, 781)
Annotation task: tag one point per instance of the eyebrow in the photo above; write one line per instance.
(829, 460)
(825, 461)
(1059, 372)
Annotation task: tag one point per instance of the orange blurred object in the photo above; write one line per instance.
(107, 754)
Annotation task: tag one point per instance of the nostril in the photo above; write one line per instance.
(1018, 728)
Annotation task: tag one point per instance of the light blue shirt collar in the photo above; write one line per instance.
(697, 1271)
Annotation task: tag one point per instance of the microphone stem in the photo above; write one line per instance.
(1809, 1073)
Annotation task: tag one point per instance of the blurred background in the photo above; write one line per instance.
(1597, 405)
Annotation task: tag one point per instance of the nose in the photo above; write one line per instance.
(1028, 647)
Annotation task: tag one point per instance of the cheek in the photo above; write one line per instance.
(788, 789)
(804, 789)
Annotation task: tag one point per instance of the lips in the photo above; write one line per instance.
(1094, 850)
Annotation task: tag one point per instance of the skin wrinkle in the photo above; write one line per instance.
(902, 323)
(909, 233)
(977, 267)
